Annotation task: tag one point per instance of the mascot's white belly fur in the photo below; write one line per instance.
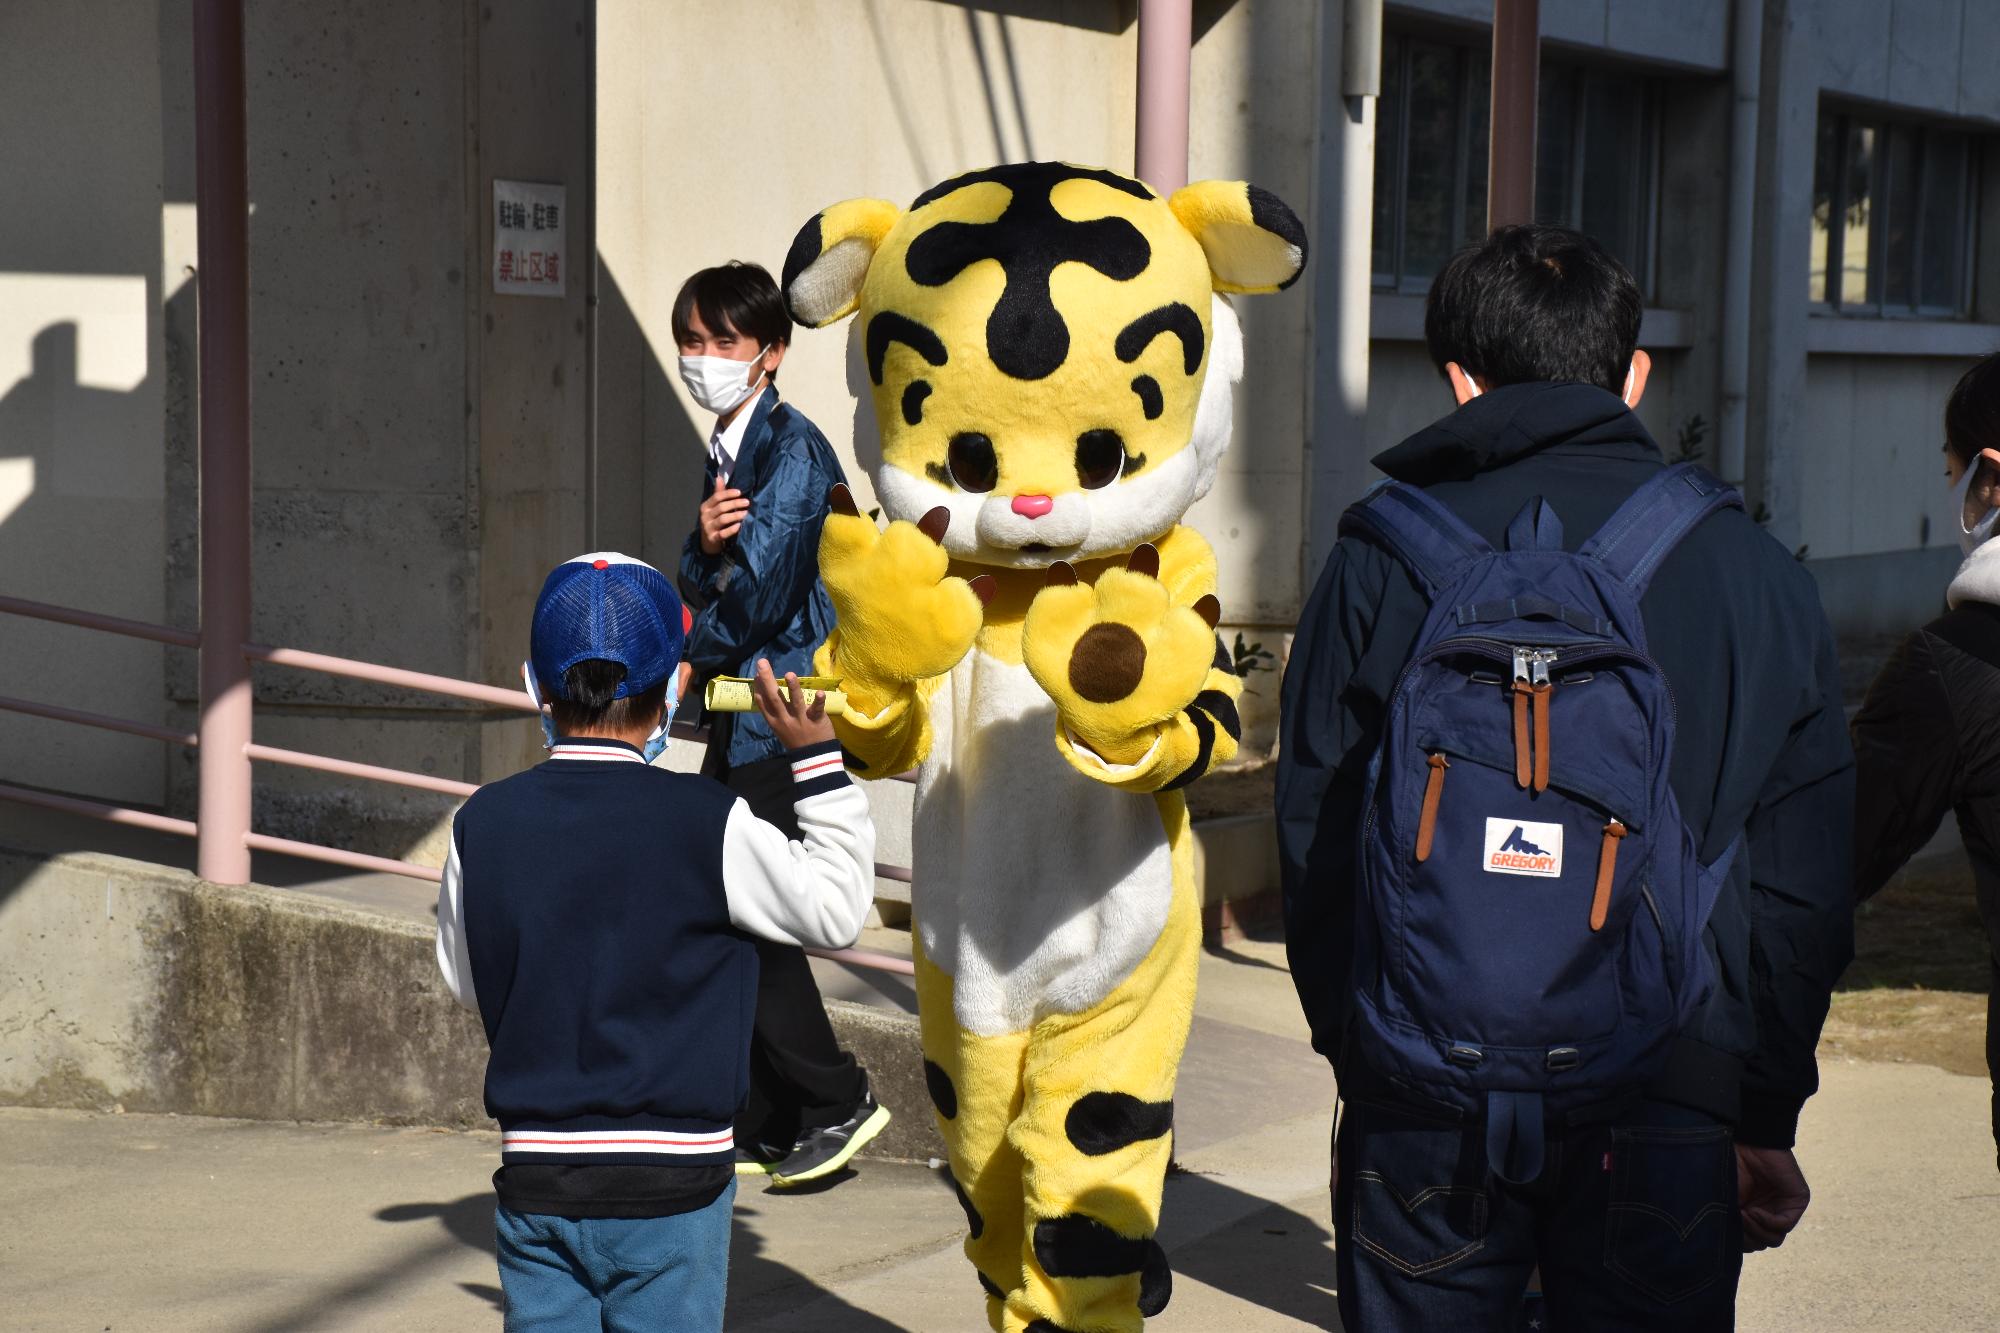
(1037, 889)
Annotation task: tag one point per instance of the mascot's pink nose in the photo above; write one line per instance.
(1033, 506)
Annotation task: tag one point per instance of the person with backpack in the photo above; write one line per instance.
(1562, 795)
(1924, 743)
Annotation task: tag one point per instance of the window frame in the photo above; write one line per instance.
(1846, 118)
(1397, 46)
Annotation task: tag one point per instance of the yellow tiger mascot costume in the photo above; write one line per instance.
(1034, 633)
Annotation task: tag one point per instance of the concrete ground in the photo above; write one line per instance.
(129, 1222)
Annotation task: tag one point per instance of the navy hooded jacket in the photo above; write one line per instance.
(761, 597)
(1761, 748)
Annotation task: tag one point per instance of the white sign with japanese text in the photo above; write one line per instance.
(528, 221)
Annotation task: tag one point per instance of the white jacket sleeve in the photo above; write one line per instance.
(453, 960)
(814, 891)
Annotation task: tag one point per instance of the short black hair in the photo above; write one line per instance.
(1534, 303)
(1972, 413)
(738, 296)
(590, 685)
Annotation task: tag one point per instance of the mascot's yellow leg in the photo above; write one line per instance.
(1095, 1133)
(975, 1087)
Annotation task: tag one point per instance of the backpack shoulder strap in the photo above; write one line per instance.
(1654, 520)
(1430, 540)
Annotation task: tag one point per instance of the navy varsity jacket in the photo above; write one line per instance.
(598, 914)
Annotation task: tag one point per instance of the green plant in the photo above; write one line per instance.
(1252, 657)
(1693, 432)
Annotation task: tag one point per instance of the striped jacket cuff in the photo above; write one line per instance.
(817, 770)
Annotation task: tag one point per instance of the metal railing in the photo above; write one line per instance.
(248, 839)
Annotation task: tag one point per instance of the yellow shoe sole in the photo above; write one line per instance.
(870, 1127)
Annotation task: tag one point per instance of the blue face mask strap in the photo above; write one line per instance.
(656, 744)
(541, 709)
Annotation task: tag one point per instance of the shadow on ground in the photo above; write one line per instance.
(1274, 1256)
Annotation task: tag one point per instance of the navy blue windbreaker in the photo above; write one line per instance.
(761, 597)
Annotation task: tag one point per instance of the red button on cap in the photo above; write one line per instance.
(600, 564)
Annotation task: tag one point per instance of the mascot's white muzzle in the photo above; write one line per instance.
(1014, 522)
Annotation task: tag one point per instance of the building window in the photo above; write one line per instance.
(1596, 158)
(1892, 217)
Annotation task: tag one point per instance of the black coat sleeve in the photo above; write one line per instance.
(1354, 634)
(1906, 764)
(1801, 906)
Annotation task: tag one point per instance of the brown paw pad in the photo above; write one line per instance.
(1107, 662)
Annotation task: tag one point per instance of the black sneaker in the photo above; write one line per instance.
(761, 1161)
(824, 1151)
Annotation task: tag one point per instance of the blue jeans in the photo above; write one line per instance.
(1634, 1224)
(616, 1274)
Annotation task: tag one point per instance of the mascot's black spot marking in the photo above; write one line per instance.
(1100, 458)
(1025, 335)
(913, 401)
(890, 327)
(1044, 1326)
(1103, 1122)
(1275, 216)
(990, 1287)
(943, 1095)
(806, 247)
(1156, 1281)
(1223, 709)
(973, 1221)
(1079, 1246)
(1150, 400)
(938, 473)
(1132, 464)
(1178, 319)
(1223, 661)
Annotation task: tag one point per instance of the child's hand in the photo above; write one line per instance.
(797, 716)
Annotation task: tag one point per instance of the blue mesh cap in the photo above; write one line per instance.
(610, 606)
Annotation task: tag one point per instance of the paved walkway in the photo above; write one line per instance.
(167, 1223)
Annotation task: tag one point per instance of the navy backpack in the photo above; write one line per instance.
(1531, 904)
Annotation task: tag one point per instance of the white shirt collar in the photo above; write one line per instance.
(598, 751)
(724, 444)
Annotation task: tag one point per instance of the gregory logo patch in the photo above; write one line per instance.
(1519, 847)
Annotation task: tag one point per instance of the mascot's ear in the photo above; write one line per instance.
(1254, 242)
(830, 257)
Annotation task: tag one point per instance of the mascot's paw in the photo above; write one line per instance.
(901, 617)
(1117, 656)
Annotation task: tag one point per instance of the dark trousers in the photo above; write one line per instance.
(1634, 1225)
(800, 1079)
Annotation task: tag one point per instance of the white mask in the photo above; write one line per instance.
(1974, 533)
(719, 383)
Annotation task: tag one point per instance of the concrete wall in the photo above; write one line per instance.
(923, 90)
(81, 382)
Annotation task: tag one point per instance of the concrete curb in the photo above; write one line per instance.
(124, 984)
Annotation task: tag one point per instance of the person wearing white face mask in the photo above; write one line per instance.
(1925, 743)
(750, 569)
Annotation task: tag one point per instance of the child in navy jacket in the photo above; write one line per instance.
(599, 914)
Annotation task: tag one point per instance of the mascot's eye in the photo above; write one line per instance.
(973, 464)
(1100, 457)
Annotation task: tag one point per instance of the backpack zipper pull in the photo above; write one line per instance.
(1522, 691)
(1433, 793)
(1543, 687)
(1607, 862)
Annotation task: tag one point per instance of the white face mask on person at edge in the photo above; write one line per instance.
(720, 384)
(1976, 519)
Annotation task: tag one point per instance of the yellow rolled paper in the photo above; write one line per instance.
(731, 694)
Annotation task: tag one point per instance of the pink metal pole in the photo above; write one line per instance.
(54, 713)
(493, 695)
(1510, 156)
(113, 814)
(63, 615)
(222, 210)
(1166, 38)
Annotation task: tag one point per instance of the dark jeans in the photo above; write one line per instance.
(1633, 1223)
(800, 1079)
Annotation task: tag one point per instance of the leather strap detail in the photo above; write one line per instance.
(1522, 772)
(1607, 862)
(1541, 702)
(1433, 793)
